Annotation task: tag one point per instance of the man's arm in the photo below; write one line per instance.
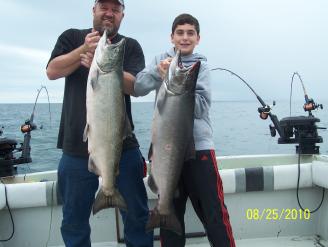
(66, 64)
(134, 62)
(128, 83)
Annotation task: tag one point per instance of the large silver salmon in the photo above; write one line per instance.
(172, 140)
(107, 122)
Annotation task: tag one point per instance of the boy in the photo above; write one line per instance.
(200, 180)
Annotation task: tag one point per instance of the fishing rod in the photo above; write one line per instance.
(265, 110)
(309, 104)
(29, 126)
(8, 148)
(300, 130)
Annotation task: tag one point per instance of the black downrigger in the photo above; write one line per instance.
(300, 130)
(8, 147)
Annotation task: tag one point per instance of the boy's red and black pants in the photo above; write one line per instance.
(201, 182)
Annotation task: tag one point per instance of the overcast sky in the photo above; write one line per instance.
(264, 41)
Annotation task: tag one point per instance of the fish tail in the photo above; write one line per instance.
(168, 222)
(151, 184)
(102, 201)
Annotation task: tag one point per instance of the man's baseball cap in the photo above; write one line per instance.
(119, 1)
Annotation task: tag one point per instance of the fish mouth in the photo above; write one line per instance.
(179, 63)
(195, 66)
(107, 33)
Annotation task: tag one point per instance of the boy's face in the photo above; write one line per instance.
(185, 38)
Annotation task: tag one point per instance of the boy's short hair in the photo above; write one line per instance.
(185, 19)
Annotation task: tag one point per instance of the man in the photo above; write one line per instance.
(200, 179)
(71, 58)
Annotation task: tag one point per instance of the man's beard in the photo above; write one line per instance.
(111, 31)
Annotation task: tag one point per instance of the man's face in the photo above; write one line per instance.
(107, 15)
(185, 38)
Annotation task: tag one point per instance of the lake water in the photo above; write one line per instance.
(237, 128)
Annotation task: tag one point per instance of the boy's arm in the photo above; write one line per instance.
(147, 80)
(203, 92)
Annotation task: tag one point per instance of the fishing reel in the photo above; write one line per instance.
(264, 114)
(28, 126)
(310, 105)
(8, 149)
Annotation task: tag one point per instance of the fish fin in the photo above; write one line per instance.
(150, 180)
(92, 166)
(102, 201)
(117, 170)
(160, 99)
(94, 80)
(152, 184)
(160, 103)
(85, 132)
(150, 152)
(154, 220)
(167, 222)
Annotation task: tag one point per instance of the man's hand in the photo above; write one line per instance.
(86, 59)
(163, 66)
(89, 46)
(66, 64)
(91, 41)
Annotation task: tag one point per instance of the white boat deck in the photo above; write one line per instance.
(289, 241)
(273, 188)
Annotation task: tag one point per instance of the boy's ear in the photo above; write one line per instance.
(172, 38)
(198, 39)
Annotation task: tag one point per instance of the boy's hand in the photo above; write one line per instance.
(163, 66)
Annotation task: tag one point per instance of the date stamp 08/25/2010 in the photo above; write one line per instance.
(272, 214)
